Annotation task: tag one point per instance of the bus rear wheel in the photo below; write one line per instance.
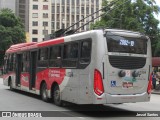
(44, 94)
(56, 96)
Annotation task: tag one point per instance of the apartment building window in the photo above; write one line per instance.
(92, 10)
(58, 17)
(73, 1)
(87, 10)
(73, 9)
(72, 17)
(67, 1)
(67, 17)
(63, 2)
(35, 0)
(53, 9)
(68, 9)
(82, 17)
(45, 15)
(53, 17)
(35, 23)
(63, 9)
(82, 2)
(87, 2)
(35, 7)
(34, 31)
(97, 2)
(45, 7)
(45, 0)
(58, 9)
(45, 24)
(58, 25)
(77, 10)
(52, 25)
(34, 39)
(35, 15)
(82, 10)
(22, 1)
(78, 2)
(77, 17)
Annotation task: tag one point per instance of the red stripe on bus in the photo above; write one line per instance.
(50, 42)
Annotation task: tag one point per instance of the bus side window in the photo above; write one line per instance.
(70, 54)
(85, 51)
(43, 57)
(43, 54)
(55, 56)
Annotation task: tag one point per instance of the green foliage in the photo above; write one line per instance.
(135, 15)
(11, 30)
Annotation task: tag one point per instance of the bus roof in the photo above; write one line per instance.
(32, 45)
(18, 47)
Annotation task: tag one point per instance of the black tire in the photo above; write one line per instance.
(44, 94)
(56, 96)
(11, 85)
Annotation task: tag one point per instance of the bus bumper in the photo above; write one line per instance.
(109, 99)
(144, 97)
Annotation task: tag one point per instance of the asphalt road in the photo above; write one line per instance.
(22, 101)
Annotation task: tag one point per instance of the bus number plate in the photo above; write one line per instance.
(127, 84)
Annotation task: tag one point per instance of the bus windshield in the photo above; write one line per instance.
(122, 44)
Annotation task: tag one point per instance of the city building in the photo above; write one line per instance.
(36, 16)
(43, 17)
(8, 4)
(67, 12)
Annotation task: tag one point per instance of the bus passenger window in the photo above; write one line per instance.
(85, 51)
(55, 56)
(70, 55)
(43, 54)
(55, 52)
(71, 51)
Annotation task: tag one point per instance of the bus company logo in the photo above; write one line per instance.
(54, 73)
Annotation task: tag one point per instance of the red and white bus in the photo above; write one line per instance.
(93, 67)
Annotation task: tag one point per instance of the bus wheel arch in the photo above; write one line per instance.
(55, 93)
(44, 91)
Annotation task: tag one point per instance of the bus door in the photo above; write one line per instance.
(33, 60)
(19, 67)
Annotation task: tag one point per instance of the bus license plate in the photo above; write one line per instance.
(127, 84)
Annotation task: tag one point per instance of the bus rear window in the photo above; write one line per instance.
(123, 44)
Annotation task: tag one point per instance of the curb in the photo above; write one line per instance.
(156, 92)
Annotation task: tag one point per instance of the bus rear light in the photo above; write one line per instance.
(98, 83)
(149, 89)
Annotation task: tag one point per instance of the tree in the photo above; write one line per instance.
(11, 31)
(135, 15)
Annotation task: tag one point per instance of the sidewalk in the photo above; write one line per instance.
(156, 92)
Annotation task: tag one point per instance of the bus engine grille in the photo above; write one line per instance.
(125, 62)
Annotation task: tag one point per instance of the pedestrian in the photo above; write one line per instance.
(153, 80)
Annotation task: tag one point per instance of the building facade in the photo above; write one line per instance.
(36, 16)
(67, 12)
(43, 17)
